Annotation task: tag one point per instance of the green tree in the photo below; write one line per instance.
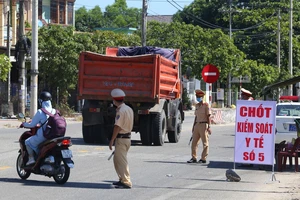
(254, 26)
(103, 39)
(198, 47)
(88, 20)
(5, 66)
(81, 22)
(119, 15)
(58, 54)
(85, 43)
(59, 50)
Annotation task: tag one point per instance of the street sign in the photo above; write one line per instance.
(220, 94)
(241, 79)
(210, 73)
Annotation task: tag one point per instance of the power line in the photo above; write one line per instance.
(201, 21)
(208, 24)
(260, 35)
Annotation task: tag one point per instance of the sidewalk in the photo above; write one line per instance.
(15, 123)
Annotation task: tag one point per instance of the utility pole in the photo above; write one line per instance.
(278, 50)
(34, 60)
(144, 22)
(10, 110)
(291, 46)
(278, 40)
(229, 74)
(22, 84)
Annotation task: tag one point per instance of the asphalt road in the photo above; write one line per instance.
(156, 172)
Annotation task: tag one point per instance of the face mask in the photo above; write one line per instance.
(199, 99)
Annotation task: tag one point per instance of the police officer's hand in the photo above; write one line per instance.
(111, 143)
(209, 131)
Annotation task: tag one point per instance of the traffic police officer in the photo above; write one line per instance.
(246, 94)
(201, 128)
(121, 138)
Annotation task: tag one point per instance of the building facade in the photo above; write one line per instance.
(49, 12)
(56, 12)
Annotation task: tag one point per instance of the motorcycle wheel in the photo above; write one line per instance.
(21, 172)
(63, 177)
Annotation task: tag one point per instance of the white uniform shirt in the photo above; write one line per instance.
(124, 118)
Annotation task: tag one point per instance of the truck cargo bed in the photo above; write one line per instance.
(145, 78)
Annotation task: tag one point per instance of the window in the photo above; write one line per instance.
(62, 12)
(70, 12)
(288, 110)
(54, 13)
(40, 7)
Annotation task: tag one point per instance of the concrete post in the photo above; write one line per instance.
(2, 23)
(22, 82)
(14, 22)
(34, 60)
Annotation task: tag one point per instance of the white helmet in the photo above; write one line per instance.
(117, 94)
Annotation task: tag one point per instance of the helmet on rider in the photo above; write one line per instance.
(44, 96)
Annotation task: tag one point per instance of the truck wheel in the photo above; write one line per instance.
(145, 129)
(87, 134)
(174, 136)
(159, 128)
(94, 134)
(100, 136)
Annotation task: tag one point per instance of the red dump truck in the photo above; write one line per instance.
(151, 80)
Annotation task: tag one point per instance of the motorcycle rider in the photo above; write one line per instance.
(40, 117)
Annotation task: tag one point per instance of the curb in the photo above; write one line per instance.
(15, 123)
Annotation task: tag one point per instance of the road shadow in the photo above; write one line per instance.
(220, 165)
(209, 164)
(233, 189)
(80, 141)
(53, 184)
(214, 180)
(139, 143)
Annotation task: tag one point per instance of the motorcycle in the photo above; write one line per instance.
(53, 160)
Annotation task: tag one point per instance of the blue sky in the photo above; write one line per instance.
(155, 7)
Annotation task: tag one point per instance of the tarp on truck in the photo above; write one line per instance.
(135, 51)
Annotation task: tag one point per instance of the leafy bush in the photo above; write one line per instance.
(65, 110)
(187, 104)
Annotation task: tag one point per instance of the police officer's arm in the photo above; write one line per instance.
(194, 123)
(208, 119)
(208, 122)
(116, 131)
(195, 118)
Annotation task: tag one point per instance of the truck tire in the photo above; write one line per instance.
(159, 128)
(145, 129)
(94, 134)
(101, 135)
(174, 136)
(86, 134)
